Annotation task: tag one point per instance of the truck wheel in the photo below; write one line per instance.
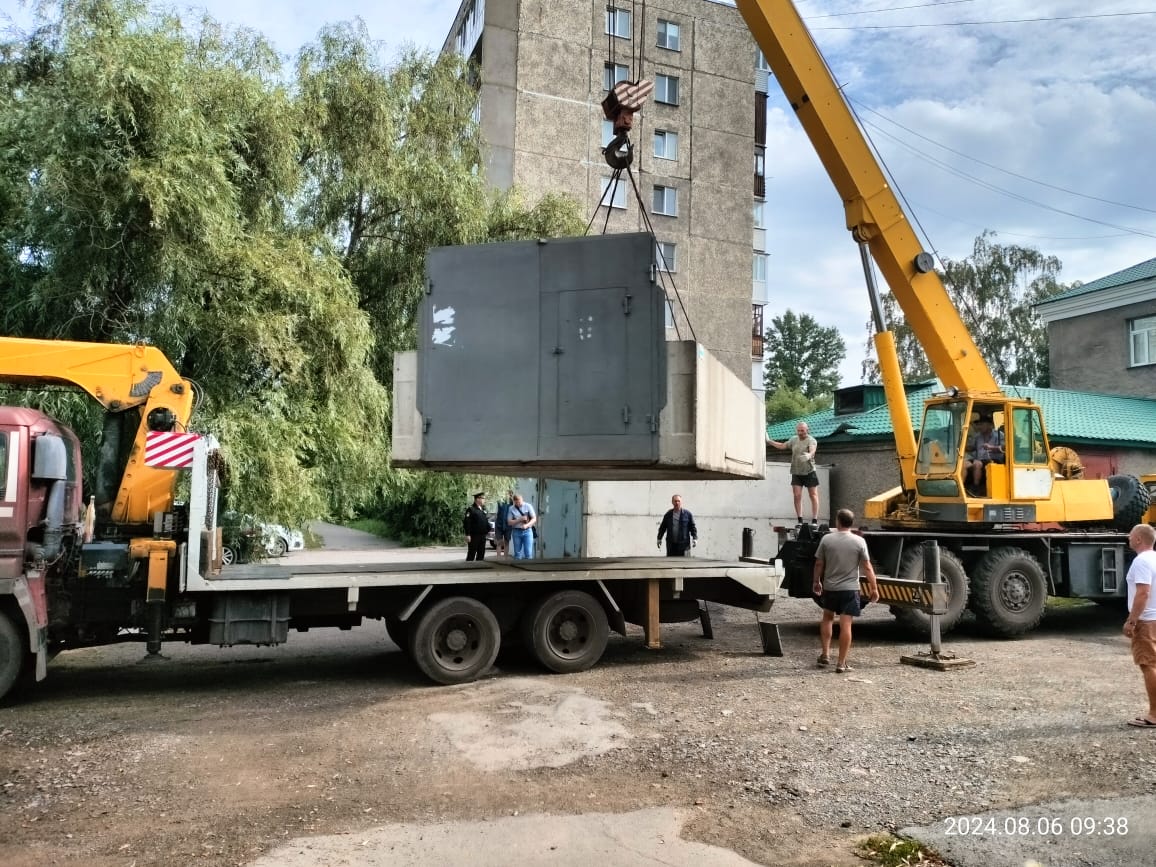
(13, 653)
(954, 576)
(1009, 592)
(1130, 500)
(455, 640)
(566, 631)
(229, 556)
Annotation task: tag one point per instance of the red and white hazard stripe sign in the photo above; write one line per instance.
(169, 450)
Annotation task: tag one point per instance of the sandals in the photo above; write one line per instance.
(839, 669)
(823, 661)
(1142, 722)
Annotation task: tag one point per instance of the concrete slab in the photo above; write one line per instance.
(637, 838)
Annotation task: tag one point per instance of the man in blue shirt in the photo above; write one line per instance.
(678, 527)
(521, 519)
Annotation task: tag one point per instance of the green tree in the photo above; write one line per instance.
(994, 290)
(802, 356)
(784, 404)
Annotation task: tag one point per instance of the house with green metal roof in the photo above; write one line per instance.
(1102, 335)
(1111, 433)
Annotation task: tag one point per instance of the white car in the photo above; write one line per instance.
(279, 540)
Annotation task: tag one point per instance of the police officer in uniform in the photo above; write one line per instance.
(476, 524)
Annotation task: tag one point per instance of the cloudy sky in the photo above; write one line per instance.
(1032, 118)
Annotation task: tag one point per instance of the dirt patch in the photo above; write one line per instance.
(220, 757)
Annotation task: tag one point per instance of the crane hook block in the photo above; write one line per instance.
(619, 153)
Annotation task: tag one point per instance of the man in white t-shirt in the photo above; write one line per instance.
(1140, 626)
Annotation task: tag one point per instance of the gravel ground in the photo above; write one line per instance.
(221, 756)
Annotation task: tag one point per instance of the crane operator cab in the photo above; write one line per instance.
(984, 460)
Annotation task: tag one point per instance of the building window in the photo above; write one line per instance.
(666, 89)
(618, 22)
(617, 199)
(665, 201)
(665, 144)
(761, 61)
(668, 35)
(1143, 333)
(669, 314)
(612, 73)
(665, 255)
(760, 220)
(607, 132)
(758, 335)
(759, 269)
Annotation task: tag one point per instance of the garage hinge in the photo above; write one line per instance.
(425, 422)
(626, 304)
(429, 287)
(626, 415)
(652, 423)
(653, 273)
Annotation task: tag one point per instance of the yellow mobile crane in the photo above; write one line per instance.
(1030, 530)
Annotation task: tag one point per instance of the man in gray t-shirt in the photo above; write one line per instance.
(802, 447)
(840, 556)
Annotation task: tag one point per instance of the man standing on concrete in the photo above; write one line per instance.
(838, 560)
(803, 447)
(678, 527)
(1140, 626)
(521, 519)
(476, 524)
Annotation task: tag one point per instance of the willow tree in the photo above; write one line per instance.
(145, 173)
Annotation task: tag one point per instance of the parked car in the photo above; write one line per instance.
(244, 539)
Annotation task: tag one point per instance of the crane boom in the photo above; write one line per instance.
(873, 212)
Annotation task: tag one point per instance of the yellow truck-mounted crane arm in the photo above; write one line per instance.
(122, 378)
(873, 212)
(1013, 480)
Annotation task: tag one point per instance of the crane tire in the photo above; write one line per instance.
(954, 575)
(1008, 592)
(1130, 500)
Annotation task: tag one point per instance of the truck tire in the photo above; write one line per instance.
(455, 640)
(566, 631)
(229, 556)
(1008, 592)
(13, 653)
(1130, 500)
(954, 576)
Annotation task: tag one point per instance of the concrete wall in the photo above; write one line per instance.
(622, 518)
(1091, 353)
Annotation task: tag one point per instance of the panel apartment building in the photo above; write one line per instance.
(546, 65)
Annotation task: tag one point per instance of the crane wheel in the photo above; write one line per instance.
(1130, 501)
(954, 575)
(1009, 592)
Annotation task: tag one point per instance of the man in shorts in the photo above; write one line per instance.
(803, 447)
(1140, 626)
(840, 556)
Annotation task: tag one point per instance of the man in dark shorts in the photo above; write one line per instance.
(803, 447)
(840, 556)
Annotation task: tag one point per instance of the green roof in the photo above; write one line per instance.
(1143, 271)
(1075, 417)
